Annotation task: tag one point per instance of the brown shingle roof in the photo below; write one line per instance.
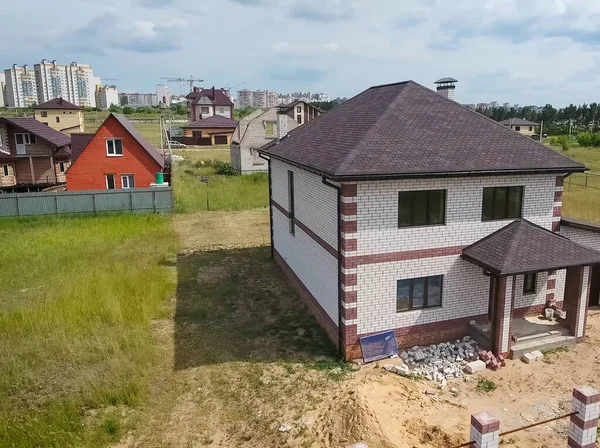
(405, 129)
(216, 121)
(57, 103)
(216, 96)
(518, 122)
(41, 130)
(522, 247)
(78, 144)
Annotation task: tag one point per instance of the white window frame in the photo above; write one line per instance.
(127, 178)
(114, 154)
(114, 183)
(61, 167)
(5, 171)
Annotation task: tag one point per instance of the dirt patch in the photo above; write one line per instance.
(430, 435)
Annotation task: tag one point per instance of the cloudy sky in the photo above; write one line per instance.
(526, 52)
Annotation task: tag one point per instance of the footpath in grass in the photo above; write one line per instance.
(77, 299)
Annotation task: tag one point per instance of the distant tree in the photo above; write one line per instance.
(115, 109)
(238, 114)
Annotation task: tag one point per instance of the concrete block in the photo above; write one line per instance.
(528, 358)
(475, 366)
(538, 355)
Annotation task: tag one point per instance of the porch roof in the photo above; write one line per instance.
(522, 247)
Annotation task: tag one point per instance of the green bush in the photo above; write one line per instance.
(225, 169)
(588, 139)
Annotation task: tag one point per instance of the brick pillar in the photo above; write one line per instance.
(485, 431)
(348, 195)
(557, 212)
(502, 317)
(577, 291)
(582, 428)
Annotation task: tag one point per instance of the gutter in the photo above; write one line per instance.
(341, 345)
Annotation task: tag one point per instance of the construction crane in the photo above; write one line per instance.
(191, 80)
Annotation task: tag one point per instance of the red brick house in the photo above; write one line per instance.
(116, 156)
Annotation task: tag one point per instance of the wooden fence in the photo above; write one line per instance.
(138, 200)
(583, 180)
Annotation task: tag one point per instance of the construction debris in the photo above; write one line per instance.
(533, 356)
(491, 361)
(475, 366)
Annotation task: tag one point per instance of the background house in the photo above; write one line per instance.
(522, 126)
(302, 112)
(204, 103)
(387, 215)
(32, 155)
(253, 132)
(61, 115)
(215, 130)
(116, 156)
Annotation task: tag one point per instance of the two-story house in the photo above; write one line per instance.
(403, 210)
(521, 126)
(60, 115)
(33, 156)
(302, 112)
(116, 156)
(204, 103)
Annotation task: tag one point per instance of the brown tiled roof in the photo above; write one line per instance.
(57, 103)
(216, 96)
(522, 247)
(78, 144)
(216, 121)
(41, 130)
(405, 129)
(140, 138)
(518, 122)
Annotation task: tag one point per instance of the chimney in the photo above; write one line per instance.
(196, 89)
(281, 122)
(446, 87)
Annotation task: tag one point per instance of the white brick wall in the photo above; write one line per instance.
(583, 303)
(580, 236)
(378, 211)
(465, 292)
(316, 207)
(538, 298)
(507, 318)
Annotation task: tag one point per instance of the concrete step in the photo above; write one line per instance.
(542, 344)
(564, 331)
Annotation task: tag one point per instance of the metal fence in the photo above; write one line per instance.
(138, 200)
(583, 180)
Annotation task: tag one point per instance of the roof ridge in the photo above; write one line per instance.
(508, 253)
(350, 156)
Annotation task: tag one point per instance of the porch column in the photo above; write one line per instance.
(31, 171)
(577, 291)
(502, 315)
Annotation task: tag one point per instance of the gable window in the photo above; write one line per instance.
(127, 181)
(58, 119)
(502, 203)
(44, 114)
(529, 283)
(110, 181)
(298, 109)
(291, 202)
(204, 110)
(61, 167)
(421, 208)
(5, 170)
(417, 293)
(114, 147)
(517, 128)
(530, 128)
(270, 129)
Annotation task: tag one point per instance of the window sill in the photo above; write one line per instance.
(499, 219)
(114, 155)
(416, 226)
(419, 309)
(533, 293)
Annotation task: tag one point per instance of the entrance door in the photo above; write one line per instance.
(595, 286)
(20, 141)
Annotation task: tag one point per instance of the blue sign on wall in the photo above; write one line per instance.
(379, 346)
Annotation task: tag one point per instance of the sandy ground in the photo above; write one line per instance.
(240, 403)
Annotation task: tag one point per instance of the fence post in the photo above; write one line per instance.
(56, 203)
(130, 199)
(154, 199)
(17, 204)
(586, 180)
(485, 431)
(582, 428)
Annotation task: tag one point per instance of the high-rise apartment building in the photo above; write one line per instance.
(106, 96)
(162, 92)
(257, 98)
(81, 83)
(51, 79)
(21, 86)
(138, 99)
(2, 90)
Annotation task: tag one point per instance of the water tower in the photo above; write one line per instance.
(446, 87)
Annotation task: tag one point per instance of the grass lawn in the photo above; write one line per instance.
(77, 301)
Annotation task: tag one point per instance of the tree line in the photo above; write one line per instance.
(582, 118)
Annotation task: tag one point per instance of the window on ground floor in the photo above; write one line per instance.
(416, 293)
(529, 283)
(420, 208)
(110, 181)
(5, 170)
(502, 203)
(127, 181)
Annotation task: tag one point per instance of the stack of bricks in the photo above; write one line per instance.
(491, 361)
(582, 428)
(485, 431)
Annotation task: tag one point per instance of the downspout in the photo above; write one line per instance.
(268, 159)
(341, 344)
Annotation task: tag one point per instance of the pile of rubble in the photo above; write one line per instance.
(445, 361)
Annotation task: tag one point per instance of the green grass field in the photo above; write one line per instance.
(77, 300)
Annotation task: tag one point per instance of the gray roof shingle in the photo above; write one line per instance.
(405, 130)
(216, 121)
(58, 103)
(522, 247)
(518, 122)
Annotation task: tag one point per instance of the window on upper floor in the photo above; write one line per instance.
(61, 167)
(291, 206)
(221, 110)
(204, 110)
(421, 208)
(114, 147)
(502, 203)
(58, 119)
(299, 119)
(298, 109)
(417, 293)
(517, 128)
(530, 128)
(5, 170)
(529, 283)
(44, 114)
(270, 129)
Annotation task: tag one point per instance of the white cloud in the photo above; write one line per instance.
(304, 49)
